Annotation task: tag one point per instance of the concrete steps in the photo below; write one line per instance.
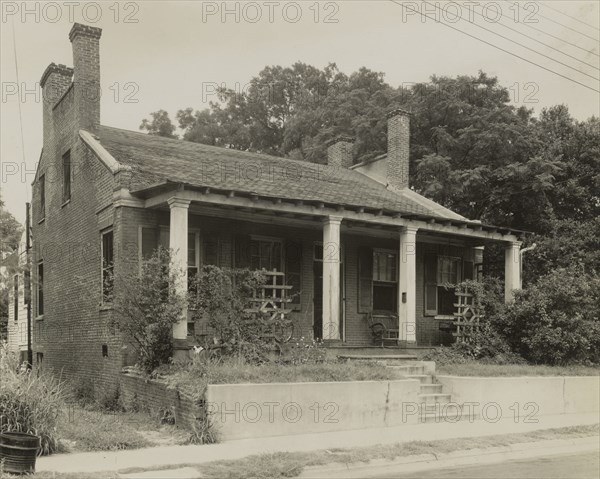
(422, 378)
(440, 398)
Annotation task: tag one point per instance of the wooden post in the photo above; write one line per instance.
(512, 270)
(331, 278)
(407, 287)
(178, 243)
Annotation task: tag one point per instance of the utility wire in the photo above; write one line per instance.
(523, 46)
(19, 103)
(573, 18)
(536, 40)
(565, 26)
(501, 49)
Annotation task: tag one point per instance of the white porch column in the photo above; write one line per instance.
(331, 277)
(407, 285)
(178, 243)
(512, 269)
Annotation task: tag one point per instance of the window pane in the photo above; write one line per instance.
(66, 163)
(384, 266)
(384, 297)
(43, 196)
(41, 289)
(446, 300)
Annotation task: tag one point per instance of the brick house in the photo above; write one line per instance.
(352, 240)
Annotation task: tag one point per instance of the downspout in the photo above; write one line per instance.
(521, 253)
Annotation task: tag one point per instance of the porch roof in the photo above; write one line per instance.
(157, 160)
(161, 164)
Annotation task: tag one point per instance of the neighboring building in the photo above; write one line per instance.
(17, 308)
(352, 240)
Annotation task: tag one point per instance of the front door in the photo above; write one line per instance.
(318, 299)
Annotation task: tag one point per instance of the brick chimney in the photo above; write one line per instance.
(398, 148)
(55, 81)
(86, 60)
(339, 152)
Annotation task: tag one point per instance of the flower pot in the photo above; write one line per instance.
(18, 451)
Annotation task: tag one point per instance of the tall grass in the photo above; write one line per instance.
(29, 403)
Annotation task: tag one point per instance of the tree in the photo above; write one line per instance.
(10, 263)
(160, 125)
(147, 305)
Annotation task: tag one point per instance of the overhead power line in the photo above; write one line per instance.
(564, 26)
(571, 17)
(536, 40)
(501, 49)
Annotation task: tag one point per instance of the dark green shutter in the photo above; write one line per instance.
(468, 270)
(365, 280)
(210, 250)
(430, 284)
(293, 272)
(242, 251)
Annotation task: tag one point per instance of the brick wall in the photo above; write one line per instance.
(74, 326)
(155, 397)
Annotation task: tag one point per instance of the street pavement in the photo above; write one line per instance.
(561, 466)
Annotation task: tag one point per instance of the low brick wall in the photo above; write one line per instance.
(529, 397)
(239, 411)
(154, 396)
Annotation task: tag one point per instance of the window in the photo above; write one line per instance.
(385, 281)
(377, 280)
(40, 289)
(441, 272)
(265, 253)
(66, 168)
(108, 266)
(42, 197)
(16, 297)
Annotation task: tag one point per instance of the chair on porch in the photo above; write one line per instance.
(384, 327)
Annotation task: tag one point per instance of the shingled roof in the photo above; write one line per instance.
(157, 160)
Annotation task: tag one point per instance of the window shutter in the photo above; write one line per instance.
(468, 270)
(365, 280)
(242, 251)
(210, 251)
(430, 289)
(293, 272)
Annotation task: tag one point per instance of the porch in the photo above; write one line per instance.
(344, 265)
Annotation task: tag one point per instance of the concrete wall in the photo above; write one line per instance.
(533, 396)
(259, 410)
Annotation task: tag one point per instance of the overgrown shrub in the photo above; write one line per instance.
(147, 305)
(29, 403)
(223, 296)
(556, 320)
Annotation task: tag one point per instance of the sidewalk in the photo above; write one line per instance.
(164, 456)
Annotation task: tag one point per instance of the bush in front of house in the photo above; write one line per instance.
(29, 403)
(555, 320)
(147, 305)
(223, 297)
(484, 344)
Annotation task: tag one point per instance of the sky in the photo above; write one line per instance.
(171, 54)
